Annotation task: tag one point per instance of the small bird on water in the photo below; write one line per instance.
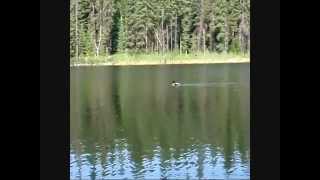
(174, 83)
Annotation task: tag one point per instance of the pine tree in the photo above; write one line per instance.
(72, 29)
(115, 28)
(122, 36)
(100, 27)
(221, 24)
(187, 25)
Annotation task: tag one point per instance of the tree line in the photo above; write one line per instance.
(103, 27)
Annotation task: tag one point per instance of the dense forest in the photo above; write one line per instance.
(104, 27)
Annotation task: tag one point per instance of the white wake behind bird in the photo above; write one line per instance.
(176, 84)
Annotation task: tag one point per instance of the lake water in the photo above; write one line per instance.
(130, 123)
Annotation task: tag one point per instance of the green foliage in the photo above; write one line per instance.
(85, 42)
(115, 31)
(154, 26)
(235, 46)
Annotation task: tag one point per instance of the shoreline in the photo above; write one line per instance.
(168, 62)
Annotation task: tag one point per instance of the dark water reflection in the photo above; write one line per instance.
(127, 122)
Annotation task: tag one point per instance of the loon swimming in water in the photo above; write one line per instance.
(174, 83)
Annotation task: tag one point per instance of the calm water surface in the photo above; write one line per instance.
(129, 123)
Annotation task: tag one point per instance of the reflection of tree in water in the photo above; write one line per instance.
(200, 161)
(136, 149)
(147, 117)
(228, 147)
(116, 95)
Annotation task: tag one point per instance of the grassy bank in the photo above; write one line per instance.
(167, 58)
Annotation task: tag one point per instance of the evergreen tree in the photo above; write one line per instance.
(72, 41)
(115, 28)
(187, 25)
(99, 27)
(122, 36)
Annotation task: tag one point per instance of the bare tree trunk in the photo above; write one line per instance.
(162, 30)
(146, 37)
(240, 36)
(248, 41)
(108, 47)
(226, 38)
(176, 33)
(241, 28)
(204, 41)
(157, 46)
(248, 45)
(180, 45)
(98, 45)
(167, 47)
(199, 39)
(211, 41)
(77, 36)
(171, 35)
(152, 47)
(160, 43)
(96, 36)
